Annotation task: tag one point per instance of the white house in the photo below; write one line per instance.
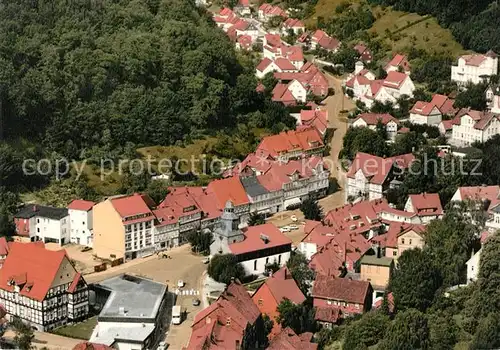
(426, 205)
(367, 90)
(473, 266)
(471, 126)
(474, 68)
(243, 8)
(370, 120)
(493, 97)
(430, 113)
(294, 25)
(398, 63)
(263, 245)
(80, 217)
(42, 223)
(369, 176)
(298, 90)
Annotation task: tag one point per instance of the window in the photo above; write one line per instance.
(279, 259)
(402, 241)
(394, 253)
(410, 240)
(267, 261)
(255, 265)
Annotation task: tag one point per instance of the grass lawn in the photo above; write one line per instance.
(82, 330)
(420, 32)
(424, 33)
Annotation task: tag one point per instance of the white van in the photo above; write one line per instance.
(176, 314)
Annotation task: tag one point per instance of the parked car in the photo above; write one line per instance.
(284, 229)
(180, 283)
(206, 260)
(293, 227)
(196, 302)
(294, 218)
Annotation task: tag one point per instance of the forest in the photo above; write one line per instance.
(474, 23)
(121, 74)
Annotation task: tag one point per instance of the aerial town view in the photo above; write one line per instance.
(249, 174)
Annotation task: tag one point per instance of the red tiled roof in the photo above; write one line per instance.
(282, 285)
(396, 229)
(80, 204)
(92, 346)
(223, 323)
(342, 289)
(481, 193)
(474, 60)
(264, 64)
(136, 204)
(287, 141)
(241, 25)
(426, 204)
(287, 339)
(283, 95)
(293, 53)
(284, 64)
(226, 12)
(293, 23)
(32, 265)
(482, 119)
(229, 189)
(394, 79)
(399, 61)
(443, 103)
(374, 118)
(4, 246)
(74, 283)
(318, 119)
(376, 168)
(280, 173)
(259, 237)
(245, 42)
(327, 314)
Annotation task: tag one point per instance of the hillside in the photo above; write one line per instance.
(398, 30)
(99, 78)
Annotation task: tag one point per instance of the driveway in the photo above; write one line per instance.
(337, 121)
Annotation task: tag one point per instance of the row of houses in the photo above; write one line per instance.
(364, 86)
(285, 169)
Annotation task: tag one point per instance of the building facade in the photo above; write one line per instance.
(81, 222)
(42, 287)
(474, 68)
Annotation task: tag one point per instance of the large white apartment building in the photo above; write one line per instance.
(43, 223)
(42, 287)
(474, 68)
(471, 126)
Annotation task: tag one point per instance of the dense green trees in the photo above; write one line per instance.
(311, 209)
(415, 280)
(367, 331)
(256, 219)
(300, 317)
(223, 268)
(91, 76)
(409, 330)
(301, 272)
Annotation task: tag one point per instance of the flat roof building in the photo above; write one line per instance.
(131, 317)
